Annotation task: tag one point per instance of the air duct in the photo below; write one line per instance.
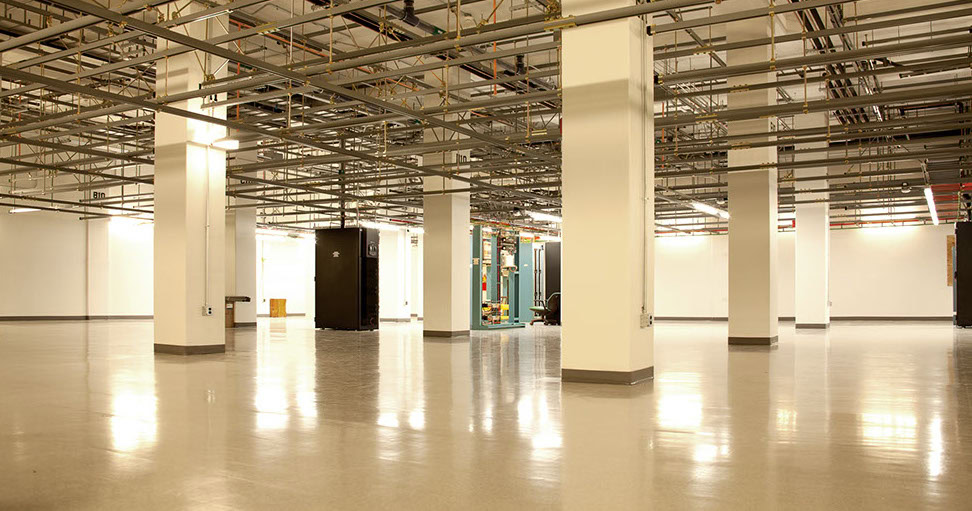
(408, 14)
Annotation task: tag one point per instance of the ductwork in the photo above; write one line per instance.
(408, 14)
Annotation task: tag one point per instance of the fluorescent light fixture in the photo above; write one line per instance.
(378, 225)
(22, 210)
(227, 144)
(270, 232)
(212, 15)
(930, 199)
(709, 210)
(544, 217)
(280, 233)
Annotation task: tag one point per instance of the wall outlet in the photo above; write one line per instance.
(207, 310)
(647, 320)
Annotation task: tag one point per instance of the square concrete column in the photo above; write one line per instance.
(190, 201)
(447, 250)
(753, 310)
(812, 233)
(446, 258)
(241, 261)
(608, 228)
(416, 274)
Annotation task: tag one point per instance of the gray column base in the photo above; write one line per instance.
(753, 341)
(244, 324)
(445, 334)
(610, 377)
(820, 326)
(173, 349)
(394, 320)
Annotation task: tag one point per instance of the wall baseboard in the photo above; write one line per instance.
(891, 318)
(72, 318)
(833, 318)
(288, 315)
(708, 318)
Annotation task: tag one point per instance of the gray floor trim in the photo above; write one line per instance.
(245, 324)
(691, 318)
(172, 349)
(891, 318)
(753, 341)
(395, 320)
(443, 334)
(71, 318)
(609, 377)
(708, 318)
(819, 326)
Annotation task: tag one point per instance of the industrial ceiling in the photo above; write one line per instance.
(337, 106)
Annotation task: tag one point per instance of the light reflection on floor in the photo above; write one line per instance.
(865, 415)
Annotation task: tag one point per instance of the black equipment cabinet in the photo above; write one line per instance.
(346, 280)
(963, 274)
(551, 268)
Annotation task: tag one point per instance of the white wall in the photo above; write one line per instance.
(285, 269)
(119, 267)
(893, 271)
(52, 264)
(692, 276)
(130, 253)
(880, 272)
(394, 279)
(42, 264)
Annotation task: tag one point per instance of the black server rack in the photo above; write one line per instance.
(963, 274)
(551, 268)
(346, 279)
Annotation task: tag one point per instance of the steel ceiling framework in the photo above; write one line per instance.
(334, 104)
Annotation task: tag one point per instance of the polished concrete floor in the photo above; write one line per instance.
(863, 416)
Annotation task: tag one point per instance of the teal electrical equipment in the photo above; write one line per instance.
(524, 280)
(497, 281)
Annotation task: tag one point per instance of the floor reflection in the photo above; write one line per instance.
(861, 414)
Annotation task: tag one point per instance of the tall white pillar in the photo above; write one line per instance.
(753, 309)
(608, 229)
(812, 235)
(447, 250)
(241, 263)
(190, 197)
(446, 258)
(393, 273)
(416, 248)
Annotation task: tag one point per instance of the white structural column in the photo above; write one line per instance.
(753, 310)
(447, 251)
(416, 274)
(812, 233)
(241, 262)
(608, 228)
(394, 284)
(190, 201)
